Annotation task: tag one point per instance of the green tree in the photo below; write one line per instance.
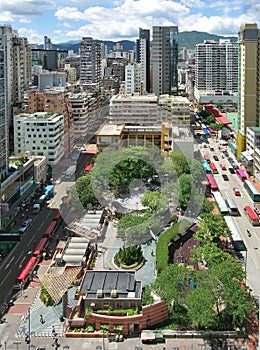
(207, 206)
(154, 200)
(212, 228)
(180, 163)
(184, 184)
(84, 190)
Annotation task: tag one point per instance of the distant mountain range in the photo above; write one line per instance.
(186, 39)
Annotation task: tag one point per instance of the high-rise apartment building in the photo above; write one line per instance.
(133, 79)
(249, 82)
(90, 62)
(216, 69)
(3, 119)
(165, 60)
(143, 57)
(17, 74)
(47, 45)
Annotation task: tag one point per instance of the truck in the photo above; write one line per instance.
(49, 191)
(70, 172)
(39, 203)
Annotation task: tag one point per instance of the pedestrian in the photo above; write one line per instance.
(41, 319)
(53, 330)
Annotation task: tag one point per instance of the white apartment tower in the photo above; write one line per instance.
(216, 69)
(143, 57)
(41, 134)
(134, 79)
(90, 62)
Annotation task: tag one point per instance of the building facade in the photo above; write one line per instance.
(249, 82)
(143, 57)
(90, 63)
(135, 109)
(40, 134)
(216, 70)
(165, 60)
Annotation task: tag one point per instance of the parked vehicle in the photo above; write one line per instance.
(38, 204)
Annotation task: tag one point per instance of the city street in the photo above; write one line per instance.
(252, 256)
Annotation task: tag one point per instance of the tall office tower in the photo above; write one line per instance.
(216, 69)
(165, 60)
(47, 45)
(249, 82)
(90, 62)
(3, 119)
(143, 56)
(17, 72)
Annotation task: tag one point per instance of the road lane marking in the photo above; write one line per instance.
(9, 263)
(8, 273)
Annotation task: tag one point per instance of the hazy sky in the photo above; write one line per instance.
(64, 20)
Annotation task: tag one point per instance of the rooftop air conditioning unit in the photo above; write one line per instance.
(113, 293)
(99, 293)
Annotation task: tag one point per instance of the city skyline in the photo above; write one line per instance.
(72, 19)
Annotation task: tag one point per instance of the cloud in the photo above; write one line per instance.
(26, 7)
(31, 34)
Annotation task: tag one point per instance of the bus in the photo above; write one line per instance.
(58, 217)
(235, 237)
(233, 209)
(213, 168)
(252, 191)
(40, 247)
(241, 174)
(25, 272)
(221, 203)
(206, 157)
(212, 182)
(10, 237)
(51, 229)
(87, 168)
(206, 167)
(252, 216)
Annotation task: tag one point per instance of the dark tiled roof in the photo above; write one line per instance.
(122, 281)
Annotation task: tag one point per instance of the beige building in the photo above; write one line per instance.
(135, 109)
(178, 108)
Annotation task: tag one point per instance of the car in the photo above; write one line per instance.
(216, 158)
(223, 167)
(25, 225)
(235, 166)
(225, 177)
(231, 170)
(211, 148)
(236, 191)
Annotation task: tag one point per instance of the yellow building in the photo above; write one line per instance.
(249, 82)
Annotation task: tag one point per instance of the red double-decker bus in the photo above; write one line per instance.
(252, 216)
(213, 168)
(50, 229)
(40, 247)
(25, 273)
(212, 182)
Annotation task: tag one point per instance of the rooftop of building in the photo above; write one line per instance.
(123, 283)
(134, 97)
(38, 116)
(111, 129)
